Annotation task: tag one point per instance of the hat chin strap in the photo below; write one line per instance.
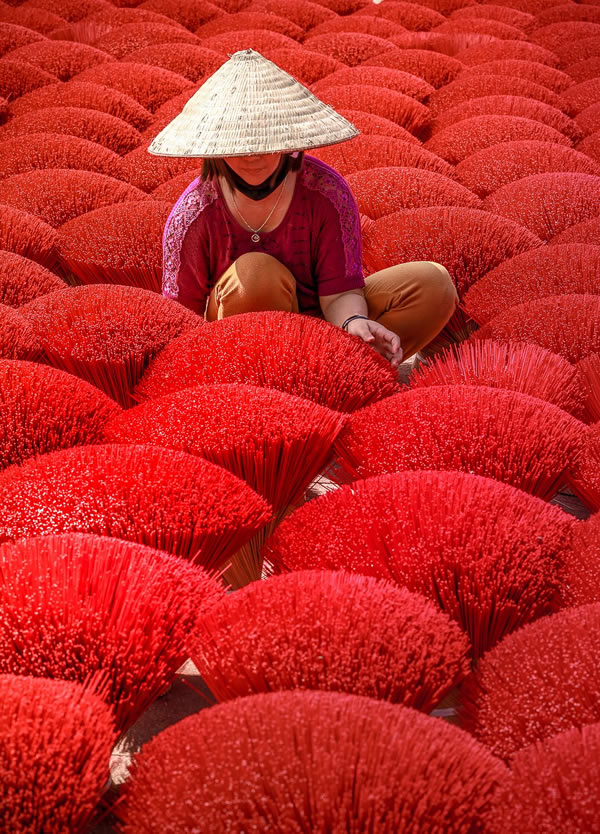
(268, 186)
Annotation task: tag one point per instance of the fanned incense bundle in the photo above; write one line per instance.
(28, 236)
(383, 191)
(303, 64)
(118, 244)
(379, 100)
(341, 7)
(149, 86)
(13, 36)
(588, 118)
(113, 16)
(582, 562)
(54, 150)
(269, 762)
(364, 75)
(528, 369)
(414, 16)
(563, 38)
(586, 232)
(364, 24)
(547, 204)
(562, 12)
(44, 409)
(552, 786)
(161, 118)
(18, 78)
(306, 15)
(469, 136)
(487, 554)
(546, 271)
(468, 87)
(591, 146)
(350, 48)
(332, 631)
(500, 105)
(275, 442)
(58, 195)
(64, 735)
(565, 324)
(584, 475)
(507, 50)
(490, 11)
(261, 40)
(84, 94)
(245, 21)
(192, 61)
(434, 67)
(584, 70)
(123, 40)
(93, 125)
(448, 43)
(172, 189)
(533, 7)
(478, 26)
(512, 437)
(37, 19)
(106, 335)
(190, 15)
(549, 77)
(63, 59)
(520, 692)
(589, 368)
(17, 338)
(372, 125)
(146, 171)
(468, 242)
(299, 355)
(492, 168)
(164, 499)
(22, 280)
(366, 152)
(111, 614)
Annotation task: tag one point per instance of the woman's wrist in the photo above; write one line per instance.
(353, 318)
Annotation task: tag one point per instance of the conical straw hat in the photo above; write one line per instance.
(251, 106)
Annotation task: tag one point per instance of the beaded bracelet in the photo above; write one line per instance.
(351, 318)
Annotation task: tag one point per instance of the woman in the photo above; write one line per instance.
(267, 228)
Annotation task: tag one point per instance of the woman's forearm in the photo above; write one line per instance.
(337, 308)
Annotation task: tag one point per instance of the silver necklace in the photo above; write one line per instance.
(255, 237)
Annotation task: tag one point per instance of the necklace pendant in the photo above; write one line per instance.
(255, 238)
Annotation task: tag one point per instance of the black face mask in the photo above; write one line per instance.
(259, 192)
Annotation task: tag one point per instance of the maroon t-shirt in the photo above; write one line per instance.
(319, 239)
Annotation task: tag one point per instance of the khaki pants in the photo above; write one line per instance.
(414, 300)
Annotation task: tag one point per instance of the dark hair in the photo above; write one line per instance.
(216, 167)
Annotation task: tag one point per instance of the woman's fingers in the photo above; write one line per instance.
(362, 329)
(383, 340)
(391, 343)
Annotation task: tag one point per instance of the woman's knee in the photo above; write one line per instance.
(440, 288)
(258, 281)
(257, 266)
(258, 273)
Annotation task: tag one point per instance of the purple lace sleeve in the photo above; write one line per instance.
(320, 177)
(197, 196)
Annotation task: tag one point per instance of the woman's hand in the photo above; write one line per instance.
(338, 308)
(383, 340)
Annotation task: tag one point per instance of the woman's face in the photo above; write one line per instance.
(254, 169)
